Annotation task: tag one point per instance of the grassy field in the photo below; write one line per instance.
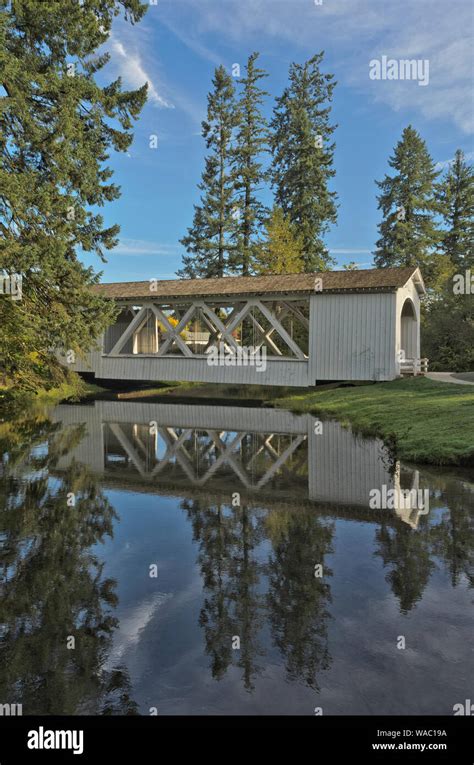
(423, 420)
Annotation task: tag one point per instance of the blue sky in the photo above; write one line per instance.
(179, 43)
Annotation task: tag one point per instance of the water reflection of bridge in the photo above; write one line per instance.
(260, 453)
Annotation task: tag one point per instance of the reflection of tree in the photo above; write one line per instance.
(452, 538)
(227, 539)
(406, 552)
(297, 600)
(245, 572)
(53, 584)
(447, 533)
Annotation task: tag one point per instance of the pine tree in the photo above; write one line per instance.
(408, 232)
(58, 126)
(303, 157)
(208, 241)
(250, 143)
(448, 325)
(455, 194)
(282, 250)
(447, 331)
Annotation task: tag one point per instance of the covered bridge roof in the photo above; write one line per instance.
(370, 280)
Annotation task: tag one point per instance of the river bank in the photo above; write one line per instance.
(421, 420)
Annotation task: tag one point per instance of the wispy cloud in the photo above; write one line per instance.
(132, 70)
(426, 29)
(468, 156)
(134, 623)
(349, 251)
(143, 247)
(192, 42)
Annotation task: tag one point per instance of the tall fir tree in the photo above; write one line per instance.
(58, 125)
(455, 194)
(408, 232)
(251, 142)
(209, 240)
(448, 325)
(282, 250)
(303, 157)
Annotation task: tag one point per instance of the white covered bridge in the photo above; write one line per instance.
(293, 329)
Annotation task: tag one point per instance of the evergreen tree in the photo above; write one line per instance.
(455, 195)
(250, 143)
(282, 250)
(53, 582)
(208, 241)
(447, 331)
(303, 157)
(408, 233)
(58, 126)
(448, 325)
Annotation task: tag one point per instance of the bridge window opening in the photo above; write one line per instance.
(409, 331)
(195, 328)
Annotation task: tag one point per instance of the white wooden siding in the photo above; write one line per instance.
(172, 368)
(409, 291)
(353, 336)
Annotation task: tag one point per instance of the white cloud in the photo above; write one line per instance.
(468, 157)
(193, 43)
(349, 251)
(353, 32)
(128, 246)
(133, 623)
(132, 70)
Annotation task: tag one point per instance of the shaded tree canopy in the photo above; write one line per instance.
(58, 128)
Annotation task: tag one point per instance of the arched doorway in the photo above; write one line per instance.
(409, 331)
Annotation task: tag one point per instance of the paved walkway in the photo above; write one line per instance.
(449, 378)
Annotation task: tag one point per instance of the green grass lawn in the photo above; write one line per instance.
(423, 420)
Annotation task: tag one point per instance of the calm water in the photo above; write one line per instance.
(277, 588)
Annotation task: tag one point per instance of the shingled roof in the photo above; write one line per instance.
(370, 280)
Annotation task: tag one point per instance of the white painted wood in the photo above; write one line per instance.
(265, 337)
(409, 292)
(352, 336)
(161, 369)
(280, 329)
(173, 333)
(134, 327)
(216, 323)
(293, 309)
